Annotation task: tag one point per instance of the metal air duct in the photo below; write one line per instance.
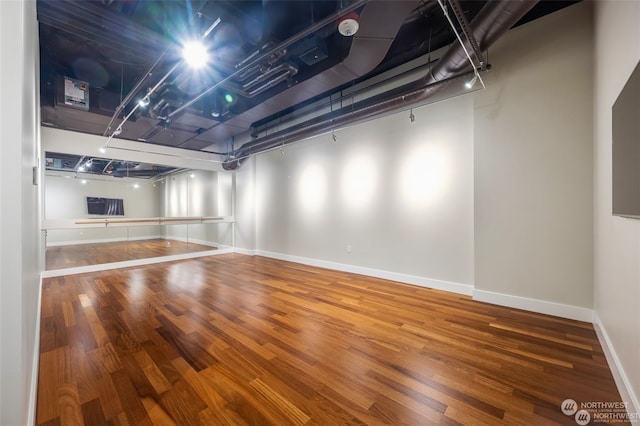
(495, 19)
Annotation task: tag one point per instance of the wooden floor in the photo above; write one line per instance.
(234, 339)
(70, 256)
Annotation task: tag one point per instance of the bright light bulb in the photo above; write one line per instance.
(469, 84)
(195, 54)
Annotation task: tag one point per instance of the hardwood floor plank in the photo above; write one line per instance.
(233, 340)
(292, 413)
(92, 413)
(69, 405)
(152, 372)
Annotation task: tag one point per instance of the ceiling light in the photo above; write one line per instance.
(228, 97)
(144, 102)
(348, 24)
(117, 131)
(135, 185)
(411, 116)
(102, 149)
(195, 54)
(83, 181)
(469, 84)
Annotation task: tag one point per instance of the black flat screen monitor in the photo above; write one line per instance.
(105, 206)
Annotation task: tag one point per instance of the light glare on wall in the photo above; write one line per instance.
(312, 187)
(359, 180)
(423, 176)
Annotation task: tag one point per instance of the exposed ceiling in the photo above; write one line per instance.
(269, 61)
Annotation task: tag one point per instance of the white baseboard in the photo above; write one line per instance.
(465, 289)
(244, 251)
(33, 386)
(622, 381)
(534, 305)
(130, 263)
(191, 240)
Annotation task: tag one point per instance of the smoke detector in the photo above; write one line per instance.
(348, 25)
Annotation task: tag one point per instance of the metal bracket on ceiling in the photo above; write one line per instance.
(468, 35)
(464, 25)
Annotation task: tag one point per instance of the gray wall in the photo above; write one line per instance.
(617, 240)
(533, 162)
(20, 238)
(513, 213)
(398, 194)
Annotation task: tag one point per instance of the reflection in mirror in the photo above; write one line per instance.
(100, 210)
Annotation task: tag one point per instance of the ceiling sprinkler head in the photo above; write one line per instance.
(348, 25)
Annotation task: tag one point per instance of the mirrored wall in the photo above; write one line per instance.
(99, 210)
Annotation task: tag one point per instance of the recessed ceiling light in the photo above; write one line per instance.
(195, 54)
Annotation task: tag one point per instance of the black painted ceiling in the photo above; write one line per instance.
(108, 47)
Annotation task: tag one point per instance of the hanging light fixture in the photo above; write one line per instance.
(144, 102)
(469, 84)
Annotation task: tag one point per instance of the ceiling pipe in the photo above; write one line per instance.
(493, 20)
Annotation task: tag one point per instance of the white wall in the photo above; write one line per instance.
(65, 201)
(189, 193)
(399, 194)
(195, 193)
(20, 239)
(617, 240)
(533, 165)
(245, 206)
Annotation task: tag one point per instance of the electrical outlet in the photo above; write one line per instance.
(348, 249)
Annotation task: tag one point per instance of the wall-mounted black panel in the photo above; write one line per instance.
(626, 149)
